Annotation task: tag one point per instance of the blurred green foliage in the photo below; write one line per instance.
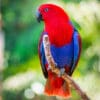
(22, 33)
(21, 28)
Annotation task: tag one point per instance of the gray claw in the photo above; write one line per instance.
(56, 64)
(62, 71)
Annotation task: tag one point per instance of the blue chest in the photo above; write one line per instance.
(63, 56)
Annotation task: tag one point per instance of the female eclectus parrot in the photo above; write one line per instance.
(65, 47)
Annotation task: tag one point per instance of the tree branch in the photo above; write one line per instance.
(56, 70)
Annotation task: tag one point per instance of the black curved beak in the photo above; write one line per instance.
(39, 16)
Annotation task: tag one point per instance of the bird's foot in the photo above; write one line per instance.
(62, 71)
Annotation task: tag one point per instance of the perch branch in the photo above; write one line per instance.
(56, 70)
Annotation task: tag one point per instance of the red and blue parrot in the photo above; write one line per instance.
(65, 47)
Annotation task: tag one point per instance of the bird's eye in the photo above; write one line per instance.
(46, 9)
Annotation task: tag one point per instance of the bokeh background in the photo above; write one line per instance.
(20, 72)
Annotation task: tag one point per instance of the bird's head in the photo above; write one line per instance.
(50, 12)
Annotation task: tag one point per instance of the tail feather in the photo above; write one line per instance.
(56, 86)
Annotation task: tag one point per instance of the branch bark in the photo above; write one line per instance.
(56, 70)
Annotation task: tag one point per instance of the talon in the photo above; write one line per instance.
(56, 64)
(62, 71)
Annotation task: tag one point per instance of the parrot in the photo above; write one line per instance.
(65, 48)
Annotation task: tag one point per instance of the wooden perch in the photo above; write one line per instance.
(56, 70)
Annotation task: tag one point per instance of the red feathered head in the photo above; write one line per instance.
(57, 24)
(48, 12)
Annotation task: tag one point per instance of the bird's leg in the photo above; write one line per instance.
(62, 71)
